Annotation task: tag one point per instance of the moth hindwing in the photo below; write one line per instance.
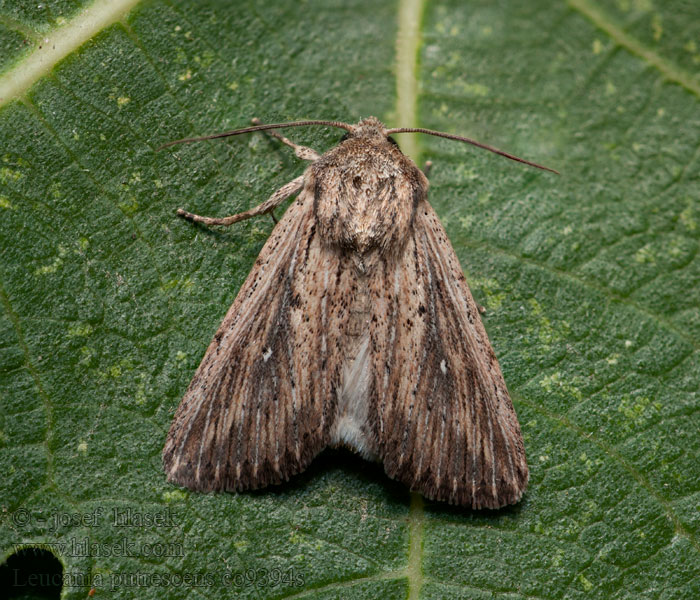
(355, 328)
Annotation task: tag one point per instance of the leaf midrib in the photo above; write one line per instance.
(408, 40)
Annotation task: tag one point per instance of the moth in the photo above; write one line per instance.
(355, 328)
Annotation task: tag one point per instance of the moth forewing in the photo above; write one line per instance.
(354, 328)
(253, 413)
(451, 429)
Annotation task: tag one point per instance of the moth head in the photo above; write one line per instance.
(371, 128)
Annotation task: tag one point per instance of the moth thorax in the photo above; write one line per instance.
(365, 210)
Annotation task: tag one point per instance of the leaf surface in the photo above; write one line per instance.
(591, 282)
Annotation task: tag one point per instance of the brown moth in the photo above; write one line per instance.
(354, 328)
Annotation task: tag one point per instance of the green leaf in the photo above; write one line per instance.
(591, 282)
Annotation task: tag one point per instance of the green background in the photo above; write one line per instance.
(591, 282)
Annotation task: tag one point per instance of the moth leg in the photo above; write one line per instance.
(303, 152)
(268, 206)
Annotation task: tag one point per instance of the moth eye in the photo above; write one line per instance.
(392, 141)
(345, 137)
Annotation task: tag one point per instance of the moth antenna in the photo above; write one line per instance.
(460, 138)
(256, 128)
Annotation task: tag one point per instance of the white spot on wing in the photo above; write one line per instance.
(352, 404)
